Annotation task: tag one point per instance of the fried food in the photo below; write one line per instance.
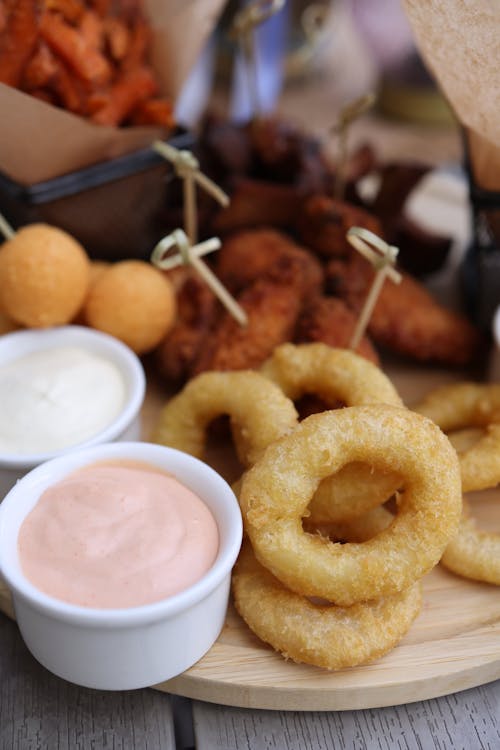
(132, 301)
(258, 410)
(256, 203)
(326, 636)
(332, 374)
(276, 491)
(323, 223)
(329, 320)
(90, 58)
(473, 553)
(359, 529)
(272, 304)
(338, 375)
(406, 318)
(17, 40)
(470, 405)
(247, 255)
(44, 276)
(196, 310)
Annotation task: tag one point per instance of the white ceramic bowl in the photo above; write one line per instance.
(121, 649)
(126, 426)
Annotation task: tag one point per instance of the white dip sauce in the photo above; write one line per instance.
(56, 398)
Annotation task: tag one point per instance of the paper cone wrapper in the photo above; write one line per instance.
(460, 42)
(39, 142)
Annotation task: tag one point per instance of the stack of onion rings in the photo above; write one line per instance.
(338, 375)
(471, 553)
(276, 491)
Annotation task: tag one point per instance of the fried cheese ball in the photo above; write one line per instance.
(132, 301)
(44, 276)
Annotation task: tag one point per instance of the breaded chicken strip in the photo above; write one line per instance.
(247, 255)
(329, 320)
(406, 318)
(196, 310)
(323, 223)
(273, 304)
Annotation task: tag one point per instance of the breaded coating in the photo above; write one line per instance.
(329, 320)
(272, 304)
(257, 203)
(406, 318)
(196, 310)
(249, 254)
(323, 223)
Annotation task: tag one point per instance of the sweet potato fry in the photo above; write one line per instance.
(138, 45)
(92, 29)
(154, 112)
(117, 37)
(68, 89)
(71, 10)
(134, 87)
(87, 62)
(41, 68)
(18, 41)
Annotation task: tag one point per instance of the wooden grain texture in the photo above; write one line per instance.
(463, 721)
(41, 712)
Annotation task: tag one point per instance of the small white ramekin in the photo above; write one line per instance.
(126, 426)
(122, 649)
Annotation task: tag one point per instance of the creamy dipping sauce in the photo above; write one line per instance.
(116, 535)
(56, 398)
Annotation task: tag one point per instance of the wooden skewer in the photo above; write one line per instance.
(6, 229)
(191, 255)
(341, 128)
(187, 167)
(243, 30)
(383, 258)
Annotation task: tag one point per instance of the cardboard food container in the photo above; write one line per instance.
(460, 43)
(104, 185)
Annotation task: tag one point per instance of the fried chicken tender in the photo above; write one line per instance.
(257, 203)
(329, 320)
(323, 223)
(249, 254)
(196, 310)
(272, 304)
(406, 318)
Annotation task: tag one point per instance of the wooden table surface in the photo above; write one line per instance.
(40, 711)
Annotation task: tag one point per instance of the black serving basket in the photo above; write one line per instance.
(117, 209)
(481, 266)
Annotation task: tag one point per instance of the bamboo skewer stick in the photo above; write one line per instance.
(243, 29)
(6, 229)
(191, 255)
(383, 257)
(341, 129)
(187, 167)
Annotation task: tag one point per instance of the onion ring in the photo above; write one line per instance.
(359, 529)
(323, 635)
(276, 491)
(473, 553)
(259, 412)
(462, 405)
(333, 375)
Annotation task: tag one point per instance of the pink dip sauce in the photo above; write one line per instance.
(117, 535)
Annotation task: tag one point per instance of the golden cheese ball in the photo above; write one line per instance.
(44, 276)
(134, 302)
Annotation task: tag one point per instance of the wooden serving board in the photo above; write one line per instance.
(454, 644)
